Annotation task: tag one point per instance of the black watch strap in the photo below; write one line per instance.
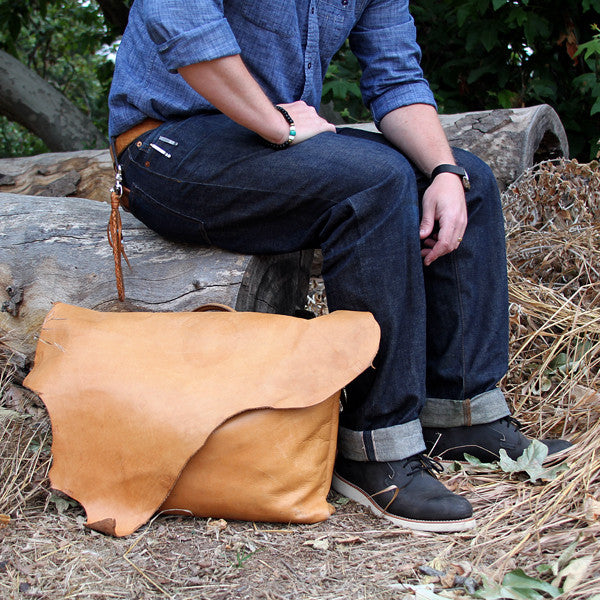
(455, 171)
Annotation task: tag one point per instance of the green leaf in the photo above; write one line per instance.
(462, 14)
(498, 591)
(489, 38)
(497, 4)
(545, 568)
(530, 462)
(476, 74)
(505, 98)
(518, 579)
(480, 464)
(536, 27)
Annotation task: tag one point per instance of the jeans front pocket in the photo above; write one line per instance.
(166, 220)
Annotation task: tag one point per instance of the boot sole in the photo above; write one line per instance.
(349, 490)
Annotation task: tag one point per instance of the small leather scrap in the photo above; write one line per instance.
(152, 411)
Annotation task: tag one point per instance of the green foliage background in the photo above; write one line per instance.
(67, 43)
(504, 53)
(477, 54)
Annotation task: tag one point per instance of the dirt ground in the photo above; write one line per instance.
(47, 553)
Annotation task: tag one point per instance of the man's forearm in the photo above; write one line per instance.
(228, 85)
(417, 132)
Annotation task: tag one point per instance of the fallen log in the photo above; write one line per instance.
(55, 249)
(509, 140)
(84, 174)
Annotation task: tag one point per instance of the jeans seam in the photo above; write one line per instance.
(462, 323)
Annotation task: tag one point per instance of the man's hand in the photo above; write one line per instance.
(444, 203)
(307, 121)
(417, 131)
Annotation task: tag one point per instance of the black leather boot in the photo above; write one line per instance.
(485, 441)
(405, 492)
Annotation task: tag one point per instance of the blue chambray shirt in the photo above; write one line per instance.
(286, 44)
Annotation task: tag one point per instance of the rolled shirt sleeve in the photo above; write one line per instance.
(188, 32)
(385, 43)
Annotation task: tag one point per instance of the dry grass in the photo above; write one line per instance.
(553, 221)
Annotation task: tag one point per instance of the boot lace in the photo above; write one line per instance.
(422, 462)
(511, 421)
(416, 463)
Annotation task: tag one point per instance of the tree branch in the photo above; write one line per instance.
(29, 100)
(116, 13)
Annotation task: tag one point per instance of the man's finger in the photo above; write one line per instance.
(427, 220)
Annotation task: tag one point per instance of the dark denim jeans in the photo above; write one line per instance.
(444, 343)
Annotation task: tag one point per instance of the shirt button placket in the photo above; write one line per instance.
(311, 37)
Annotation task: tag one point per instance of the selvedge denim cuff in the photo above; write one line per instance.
(483, 408)
(388, 444)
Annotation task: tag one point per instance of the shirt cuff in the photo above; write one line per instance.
(397, 97)
(213, 40)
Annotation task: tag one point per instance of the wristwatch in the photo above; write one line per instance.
(454, 170)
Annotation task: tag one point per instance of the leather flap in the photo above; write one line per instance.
(132, 396)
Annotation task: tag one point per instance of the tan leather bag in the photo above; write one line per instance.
(229, 415)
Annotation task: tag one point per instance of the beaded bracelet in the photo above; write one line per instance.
(292, 134)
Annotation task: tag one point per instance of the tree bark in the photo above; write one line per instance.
(55, 249)
(85, 174)
(29, 100)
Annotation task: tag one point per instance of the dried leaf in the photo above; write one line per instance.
(63, 503)
(319, 544)
(12, 415)
(591, 508)
(574, 572)
(447, 580)
(485, 466)
(565, 558)
(216, 525)
(350, 540)
(4, 521)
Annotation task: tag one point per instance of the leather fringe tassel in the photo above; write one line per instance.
(114, 232)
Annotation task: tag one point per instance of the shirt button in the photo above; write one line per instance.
(309, 65)
(344, 2)
(312, 10)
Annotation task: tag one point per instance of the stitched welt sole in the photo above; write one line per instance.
(349, 490)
